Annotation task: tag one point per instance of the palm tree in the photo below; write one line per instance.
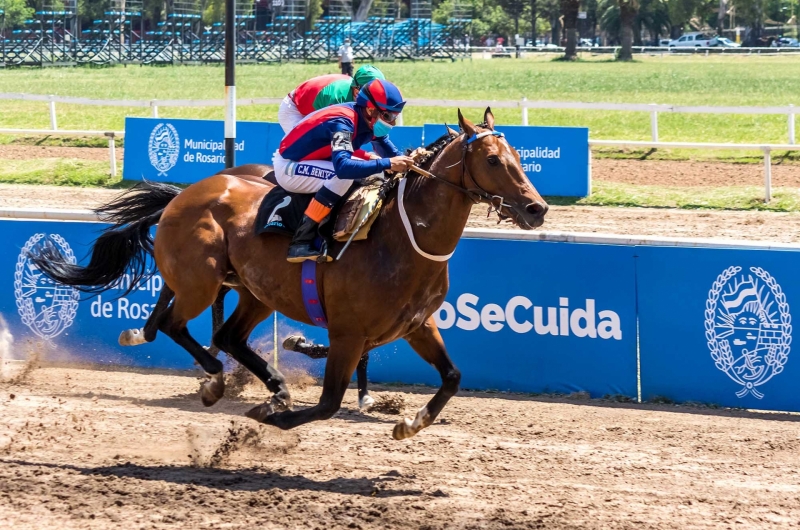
(569, 8)
(628, 9)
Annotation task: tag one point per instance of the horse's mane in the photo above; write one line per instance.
(438, 146)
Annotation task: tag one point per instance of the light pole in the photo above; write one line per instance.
(230, 83)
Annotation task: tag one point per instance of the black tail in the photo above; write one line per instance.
(121, 248)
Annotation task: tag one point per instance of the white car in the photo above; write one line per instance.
(692, 40)
(724, 42)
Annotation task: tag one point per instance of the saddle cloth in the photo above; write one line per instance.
(281, 212)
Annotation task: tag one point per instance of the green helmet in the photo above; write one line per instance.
(365, 74)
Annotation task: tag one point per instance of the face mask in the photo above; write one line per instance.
(381, 128)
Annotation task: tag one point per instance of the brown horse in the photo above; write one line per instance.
(382, 289)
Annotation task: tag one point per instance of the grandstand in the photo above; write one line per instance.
(267, 31)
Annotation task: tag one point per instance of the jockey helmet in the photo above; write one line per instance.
(365, 74)
(383, 95)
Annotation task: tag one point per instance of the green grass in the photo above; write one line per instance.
(689, 198)
(58, 172)
(732, 81)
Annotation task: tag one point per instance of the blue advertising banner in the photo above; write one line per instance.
(567, 323)
(716, 326)
(77, 327)
(185, 151)
(555, 159)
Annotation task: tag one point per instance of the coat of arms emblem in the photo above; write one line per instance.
(163, 148)
(748, 327)
(46, 307)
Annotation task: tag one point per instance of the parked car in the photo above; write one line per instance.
(664, 43)
(587, 43)
(786, 42)
(724, 42)
(692, 40)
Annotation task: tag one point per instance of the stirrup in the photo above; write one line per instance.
(302, 252)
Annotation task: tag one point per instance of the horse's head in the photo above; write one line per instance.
(492, 172)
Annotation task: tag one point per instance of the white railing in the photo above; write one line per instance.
(524, 104)
(54, 214)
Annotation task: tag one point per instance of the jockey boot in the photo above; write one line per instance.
(302, 247)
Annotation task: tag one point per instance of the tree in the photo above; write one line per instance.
(533, 22)
(17, 12)
(514, 9)
(628, 9)
(569, 9)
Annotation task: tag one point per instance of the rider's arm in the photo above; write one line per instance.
(385, 148)
(350, 168)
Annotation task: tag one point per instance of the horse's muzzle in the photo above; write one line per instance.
(532, 215)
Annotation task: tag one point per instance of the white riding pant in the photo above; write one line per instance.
(308, 176)
(288, 115)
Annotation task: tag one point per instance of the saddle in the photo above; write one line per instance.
(281, 212)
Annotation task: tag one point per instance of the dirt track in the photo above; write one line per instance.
(89, 449)
(780, 227)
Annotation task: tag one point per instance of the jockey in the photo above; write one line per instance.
(320, 155)
(323, 91)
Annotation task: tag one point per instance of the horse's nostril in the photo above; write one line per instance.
(536, 208)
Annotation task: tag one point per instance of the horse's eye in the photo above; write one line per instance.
(493, 160)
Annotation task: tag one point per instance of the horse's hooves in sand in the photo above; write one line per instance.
(281, 401)
(131, 337)
(366, 402)
(212, 390)
(260, 412)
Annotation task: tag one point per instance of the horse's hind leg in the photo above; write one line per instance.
(174, 323)
(428, 344)
(134, 337)
(232, 339)
(218, 317)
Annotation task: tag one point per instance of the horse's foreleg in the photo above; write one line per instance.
(365, 401)
(345, 353)
(297, 343)
(134, 337)
(232, 339)
(428, 343)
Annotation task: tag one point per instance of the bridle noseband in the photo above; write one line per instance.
(476, 194)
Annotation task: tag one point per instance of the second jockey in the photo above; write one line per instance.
(323, 91)
(322, 156)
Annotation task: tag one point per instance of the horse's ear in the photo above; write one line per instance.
(467, 126)
(450, 130)
(488, 118)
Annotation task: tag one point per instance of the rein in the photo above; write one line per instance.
(482, 194)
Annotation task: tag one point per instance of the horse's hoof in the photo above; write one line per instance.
(131, 337)
(292, 341)
(403, 430)
(212, 390)
(281, 401)
(365, 402)
(260, 412)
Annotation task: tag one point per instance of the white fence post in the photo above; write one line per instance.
(112, 153)
(791, 124)
(400, 119)
(653, 123)
(53, 120)
(767, 175)
(154, 107)
(524, 111)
